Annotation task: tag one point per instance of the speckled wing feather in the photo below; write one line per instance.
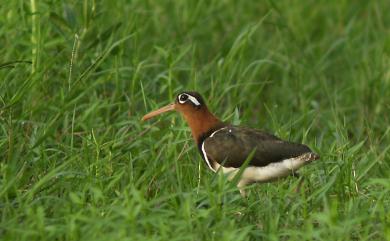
(231, 146)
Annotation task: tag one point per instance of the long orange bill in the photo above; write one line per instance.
(159, 111)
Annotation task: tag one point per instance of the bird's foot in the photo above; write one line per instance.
(298, 188)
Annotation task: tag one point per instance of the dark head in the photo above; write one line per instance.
(194, 110)
(187, 103)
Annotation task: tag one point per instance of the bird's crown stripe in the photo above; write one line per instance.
(193, 100)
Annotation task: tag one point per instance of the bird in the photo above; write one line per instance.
(224, 147)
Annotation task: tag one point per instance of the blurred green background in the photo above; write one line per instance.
(77, 76)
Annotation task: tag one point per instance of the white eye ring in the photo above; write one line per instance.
(180, 98)
(189, 97)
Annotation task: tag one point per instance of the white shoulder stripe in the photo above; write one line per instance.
(204, 152)
(212, 134)
(206, 159)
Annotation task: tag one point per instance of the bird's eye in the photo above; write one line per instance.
(183, 98)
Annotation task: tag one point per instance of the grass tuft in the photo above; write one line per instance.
(76, 77)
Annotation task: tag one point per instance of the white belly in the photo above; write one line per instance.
(267, 173)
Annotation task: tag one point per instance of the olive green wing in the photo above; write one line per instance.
(231, 146)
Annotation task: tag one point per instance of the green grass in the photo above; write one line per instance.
(76, 77)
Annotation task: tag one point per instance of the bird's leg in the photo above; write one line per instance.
(241, 186)
(300, 183)
(231, 174)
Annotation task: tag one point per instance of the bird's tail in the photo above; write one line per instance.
(311, 156)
